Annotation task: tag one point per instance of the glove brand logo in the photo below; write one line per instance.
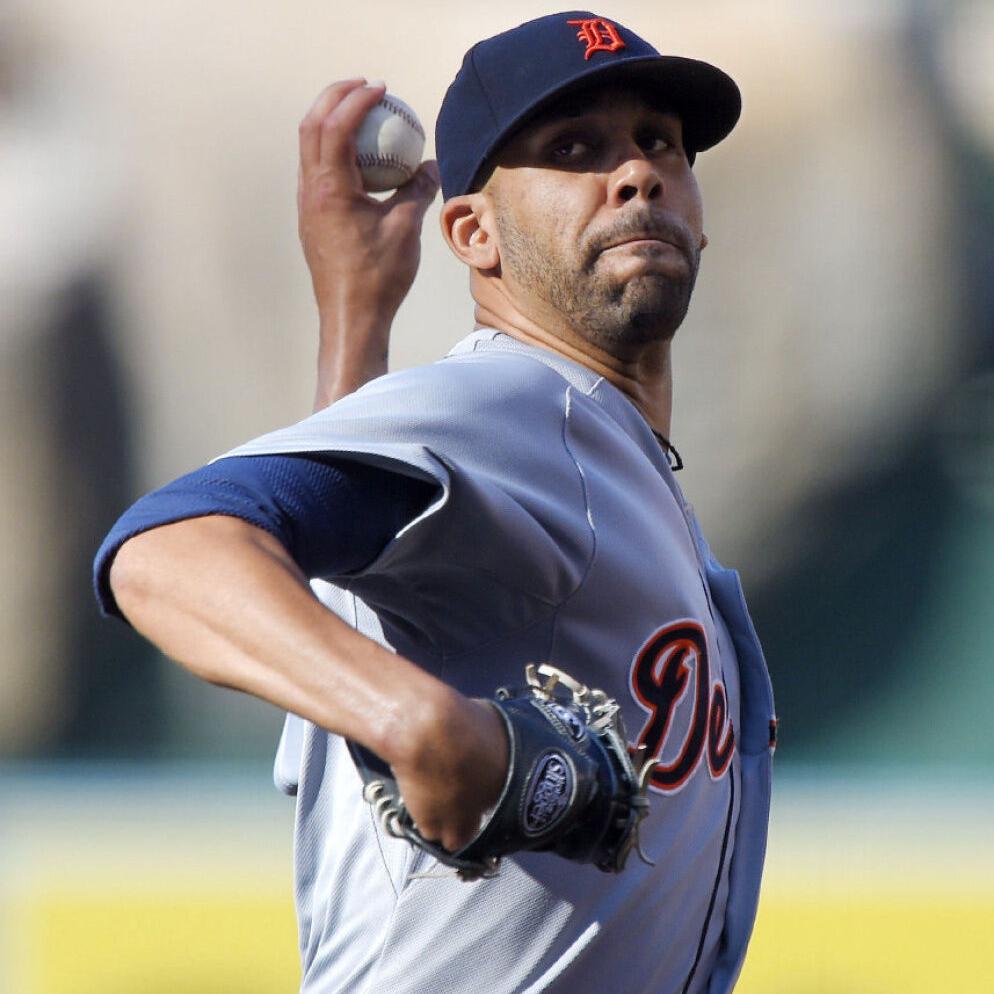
(564, 720)
(598, 35)
(661, 676)
(549, 794)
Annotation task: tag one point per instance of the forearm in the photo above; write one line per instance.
(226, 601)
(353, 349)
(362, 253)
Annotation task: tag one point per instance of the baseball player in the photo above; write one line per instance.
(380, 568)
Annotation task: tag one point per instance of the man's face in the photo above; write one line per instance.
(599, 219)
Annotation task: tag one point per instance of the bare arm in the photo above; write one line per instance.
(362, 253)
(225, 600)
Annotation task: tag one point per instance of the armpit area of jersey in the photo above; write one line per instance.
(334, 516)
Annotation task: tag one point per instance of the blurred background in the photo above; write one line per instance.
(835, 409)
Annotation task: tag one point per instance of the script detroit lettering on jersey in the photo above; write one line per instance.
(660, 677)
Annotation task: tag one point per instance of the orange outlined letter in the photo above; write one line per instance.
(598, 35)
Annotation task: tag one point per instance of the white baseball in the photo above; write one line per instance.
(389, 145)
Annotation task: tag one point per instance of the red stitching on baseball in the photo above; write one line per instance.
(383, 159)
(403, 114)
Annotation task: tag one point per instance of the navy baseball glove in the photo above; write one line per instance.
(572, 787)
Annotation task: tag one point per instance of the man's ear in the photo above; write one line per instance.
(468, 228)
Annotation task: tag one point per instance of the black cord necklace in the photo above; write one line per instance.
(672, 456)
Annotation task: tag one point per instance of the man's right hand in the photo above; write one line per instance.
(362, 253)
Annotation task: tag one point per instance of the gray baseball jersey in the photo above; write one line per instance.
(559, 534)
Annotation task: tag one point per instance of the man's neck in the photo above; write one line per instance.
(647, 379)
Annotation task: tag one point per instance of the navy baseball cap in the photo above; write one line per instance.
(506, 79)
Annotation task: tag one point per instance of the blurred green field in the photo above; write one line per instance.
(180, 883)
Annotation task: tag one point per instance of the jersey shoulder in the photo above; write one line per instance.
(462, 400)
(500, 384)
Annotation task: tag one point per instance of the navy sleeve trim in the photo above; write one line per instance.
(334, 515)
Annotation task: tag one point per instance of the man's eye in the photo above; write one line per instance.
(653, 142)
(569, 150)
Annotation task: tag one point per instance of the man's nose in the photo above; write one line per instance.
(635, 177)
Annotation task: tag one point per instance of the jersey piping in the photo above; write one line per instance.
(717, 883)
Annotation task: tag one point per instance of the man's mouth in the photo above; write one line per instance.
(654, 237)
(642, 241)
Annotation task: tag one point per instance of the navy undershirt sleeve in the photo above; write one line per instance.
(334, 515)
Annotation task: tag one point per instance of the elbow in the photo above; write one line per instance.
(148, 578)
(131, 580)
(174, 584)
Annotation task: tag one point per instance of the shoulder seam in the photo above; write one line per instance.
(522, 355)
(589, 516)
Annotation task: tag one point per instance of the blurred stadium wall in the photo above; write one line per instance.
(835, 407)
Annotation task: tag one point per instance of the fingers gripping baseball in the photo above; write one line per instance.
(362, 253)
(319, 140)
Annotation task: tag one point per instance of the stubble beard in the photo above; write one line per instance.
(618, 317)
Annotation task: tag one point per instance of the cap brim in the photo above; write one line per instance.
(707, 99)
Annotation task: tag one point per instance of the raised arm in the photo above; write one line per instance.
(362, 253)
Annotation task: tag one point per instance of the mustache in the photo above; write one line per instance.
(645, 225)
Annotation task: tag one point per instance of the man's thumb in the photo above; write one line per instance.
(420, 189)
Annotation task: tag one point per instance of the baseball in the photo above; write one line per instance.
(389, 145)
